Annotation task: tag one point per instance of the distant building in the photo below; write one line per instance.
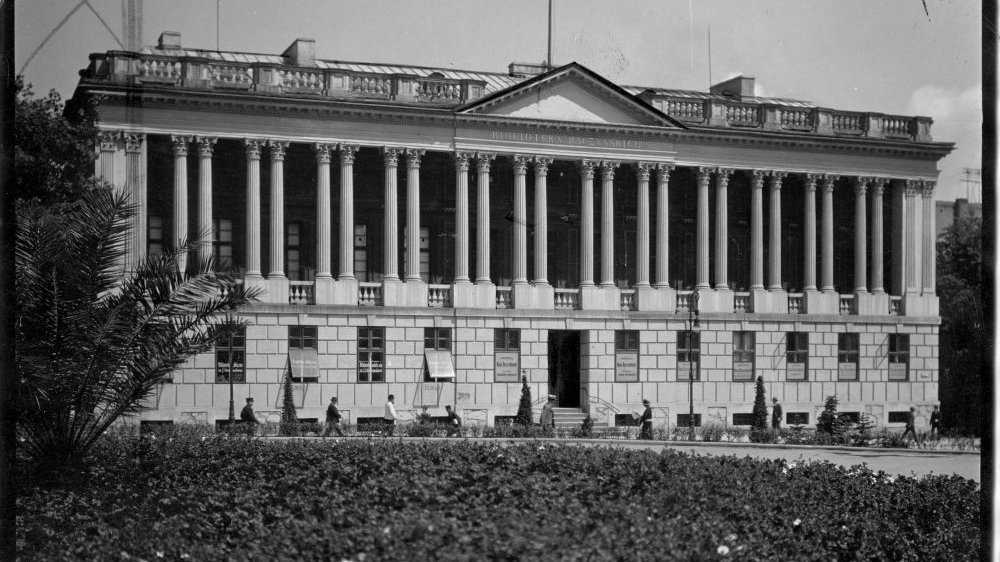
(437, 234)
(950, 211)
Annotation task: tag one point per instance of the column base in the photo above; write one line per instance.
(655, 299)
(774, 302)
(539, 296)
(716, 300)
(871, 304)
(920, 305)
(409, 293)
(816, 302)
(600, 298)
(467, 295)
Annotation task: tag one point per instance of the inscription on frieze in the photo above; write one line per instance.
(575, 140)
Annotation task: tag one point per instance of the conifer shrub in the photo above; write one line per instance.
(759, 424)
(524, 407)
(289, 419)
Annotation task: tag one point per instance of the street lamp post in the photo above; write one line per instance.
(232, 406)
(694, 327)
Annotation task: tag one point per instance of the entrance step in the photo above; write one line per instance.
(572, 418)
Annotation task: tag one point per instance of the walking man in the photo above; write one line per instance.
(776, 414)
(547, 419)
(911, 422)
(332, 419)
(248, 418)
(646, 432)
(390, 416)
(454, 422)
(936, 423)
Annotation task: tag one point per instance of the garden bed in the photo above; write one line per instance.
(206, 496)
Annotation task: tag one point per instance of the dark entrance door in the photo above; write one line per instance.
(564, 367)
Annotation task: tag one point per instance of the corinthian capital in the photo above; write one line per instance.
(205, 146)
(413, 156)
(107, 141)
(520, 164)
(587, 169)
(462, 160)
(180, 144)
(642, 170)
(542, 165)
(927, 188)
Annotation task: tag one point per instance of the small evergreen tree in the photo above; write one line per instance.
(828, 421)
(759, 407)
(524, 408)
(289, 420)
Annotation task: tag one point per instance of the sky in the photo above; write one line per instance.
(885, 56)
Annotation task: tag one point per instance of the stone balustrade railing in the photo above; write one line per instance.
(369, 294)
(301, 292)
(795, 303)
(439, 296)
(194, 72)
(628, 301)
(847, 304)
(505, 298)
(742, 302)
(683, 301)
(566, 299)
(895, 305)
(775, 117)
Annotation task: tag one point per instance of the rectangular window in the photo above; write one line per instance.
(899, 357)
(627, 356)
(361, 252)
(154, 236)
(847, 357)
(371, 354)
(152, 426)
(852, 417)
(437, 338)
(797, 356)
(222, 240)
(797, 418)
(293, 251)
(688, 355)
(898, 417)
(742, 419)
(506, 354)
(682, 420)
(743, 356)
(230, 357)
(626, 420)
(302, 353)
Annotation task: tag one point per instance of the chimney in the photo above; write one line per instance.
(738, 86)
(169, 40)
(301, 53)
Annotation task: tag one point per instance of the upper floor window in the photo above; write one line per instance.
(371, 354)
(688, 355)
(797, 356)
(847, 357)
(899, 357)
(627, 355)
(437, 338)
(230, 356)
(743, 356)
(506, 354)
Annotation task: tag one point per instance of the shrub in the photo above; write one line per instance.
(712, 432)
(289, 420)
(524, 416)
(829, 422)
(759, 406)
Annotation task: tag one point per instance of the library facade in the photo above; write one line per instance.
(442, 235)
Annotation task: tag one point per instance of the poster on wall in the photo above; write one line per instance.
(848, 371)
(506, 366)
(627, 366)
(685, 369)
(796, 371)
(897, 371)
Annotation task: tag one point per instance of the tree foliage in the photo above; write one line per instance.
(53, 147)
(93, 343)
(829, 421)
(524, 407)
(963, 325)
(289, 419)
(759, 406)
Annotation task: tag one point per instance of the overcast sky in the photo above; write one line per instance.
(885, 55)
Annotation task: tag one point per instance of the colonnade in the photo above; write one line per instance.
(914, 263)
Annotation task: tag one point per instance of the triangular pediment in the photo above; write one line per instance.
(571, 93)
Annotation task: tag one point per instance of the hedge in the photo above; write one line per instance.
(218, 497)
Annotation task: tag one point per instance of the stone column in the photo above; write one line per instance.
(722, 228)
(774, 260)
(860, 236)
(520, 269)
(347, 153)
(608, 223)
(642, 170)
(704, 175)
(278, 149)
(324, 230)
(929, 246)
(757, 231)
(878, 267)
(462, 217)
(253, 147)
(663, 226)
(180, 145)
(483, 160)
(912, 280)
(205, 233)
(827, 240)
(809, 235)
(541, 220)
(135, 187)
(390, 244)
(587, 223)
(413, 157)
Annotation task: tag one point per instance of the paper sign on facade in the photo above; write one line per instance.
(743, 371)
(304, 363)
(506, 366)
(796, 371)
(627, 366)
(439, 364)
(848, 371)
(897, 371)
(687, 369)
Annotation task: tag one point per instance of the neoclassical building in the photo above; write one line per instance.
(439, 234)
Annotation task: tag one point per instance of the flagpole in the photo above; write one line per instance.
(548, 60)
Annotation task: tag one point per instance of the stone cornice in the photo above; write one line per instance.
(391, 113)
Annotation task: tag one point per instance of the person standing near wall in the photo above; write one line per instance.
(248, 418)
(454, 422)
(547, 419)
(332, 418)
(936, 423)
(911, 425)
(646, 421)
(776, 414)
(390, 416)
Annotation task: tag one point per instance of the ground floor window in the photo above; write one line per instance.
(743, 356)
(303, 357)
(371, 354)
(230, 356)
(899, 357)
(797, 418)
(683, 420)
(688, 355)
(742, 419)
(627, 356)
(797, 356)
(847, 357)
(438, 363)
(899, 417)
(506, 355)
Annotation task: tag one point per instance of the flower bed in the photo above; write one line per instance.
(208, 496)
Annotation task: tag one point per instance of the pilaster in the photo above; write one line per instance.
(413, 157)
(323, 228)
(253, 234)
(520, 265)
(483, 160)
(205, 233)
(277, 272)
(704, 176)
(390, 242)
(541, 220)
(607, 223)
(347, 152)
